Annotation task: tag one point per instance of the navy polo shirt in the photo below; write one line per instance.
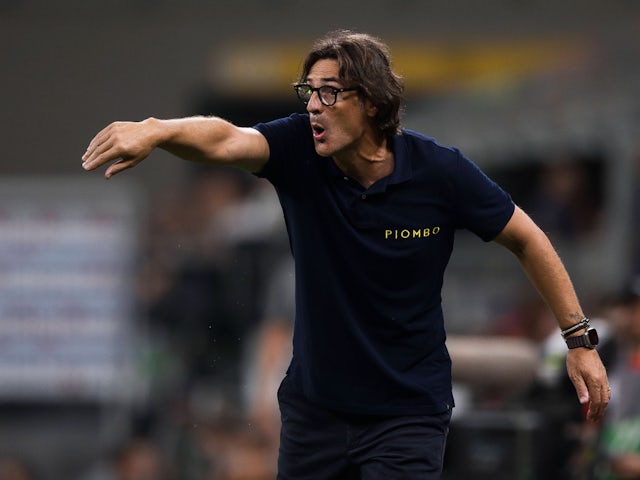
(369, 334)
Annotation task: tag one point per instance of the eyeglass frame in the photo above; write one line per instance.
(334, 90)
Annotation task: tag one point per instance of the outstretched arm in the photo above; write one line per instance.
(211, 140)
(547, 273)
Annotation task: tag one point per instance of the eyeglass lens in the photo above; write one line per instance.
(328, 95)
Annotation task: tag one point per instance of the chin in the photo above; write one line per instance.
(322, 150)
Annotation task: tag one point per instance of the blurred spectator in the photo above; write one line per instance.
(619, 445)
(240, 441)
(217, 247)
(270, 353)
(209, 251)
(564, 204)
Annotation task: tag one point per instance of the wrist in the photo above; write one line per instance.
(580, 334)
(158, 130)
(577, 328)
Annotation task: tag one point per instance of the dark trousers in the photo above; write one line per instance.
(318, 444)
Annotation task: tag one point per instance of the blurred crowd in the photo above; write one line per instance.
(216, 296)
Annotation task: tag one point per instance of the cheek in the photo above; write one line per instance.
(350, 126)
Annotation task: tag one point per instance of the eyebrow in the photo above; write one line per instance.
(324, 80)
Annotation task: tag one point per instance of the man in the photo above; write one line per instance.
(371, 211)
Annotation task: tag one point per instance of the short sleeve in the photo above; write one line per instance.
(483, 207)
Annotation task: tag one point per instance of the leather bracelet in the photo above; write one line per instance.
(583, 324)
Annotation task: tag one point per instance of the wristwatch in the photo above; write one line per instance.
(588, 339)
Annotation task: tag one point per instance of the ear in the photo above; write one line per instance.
(370, 109)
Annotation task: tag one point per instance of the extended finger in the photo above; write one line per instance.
(98, 144)
(121, 165)
(100, 154)
(95, 141)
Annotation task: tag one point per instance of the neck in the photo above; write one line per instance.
(368, 164)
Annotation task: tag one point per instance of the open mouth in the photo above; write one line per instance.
(318, 131)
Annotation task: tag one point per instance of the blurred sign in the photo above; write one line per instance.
(66, 256)
(258, 68)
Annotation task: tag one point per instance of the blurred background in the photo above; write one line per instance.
(145, 322)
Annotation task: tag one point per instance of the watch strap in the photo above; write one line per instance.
(576, 342)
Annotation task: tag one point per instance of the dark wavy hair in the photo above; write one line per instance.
(364, 61)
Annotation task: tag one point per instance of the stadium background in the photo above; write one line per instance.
(128, 307)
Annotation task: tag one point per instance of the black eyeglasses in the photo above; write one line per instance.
(328, 95)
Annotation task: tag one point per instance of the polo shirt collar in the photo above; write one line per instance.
(402, 171)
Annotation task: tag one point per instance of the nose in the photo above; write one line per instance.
(314, 104)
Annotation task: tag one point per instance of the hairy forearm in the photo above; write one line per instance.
(210, 140)
(199, 139)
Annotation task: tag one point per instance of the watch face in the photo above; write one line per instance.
(593, 336)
